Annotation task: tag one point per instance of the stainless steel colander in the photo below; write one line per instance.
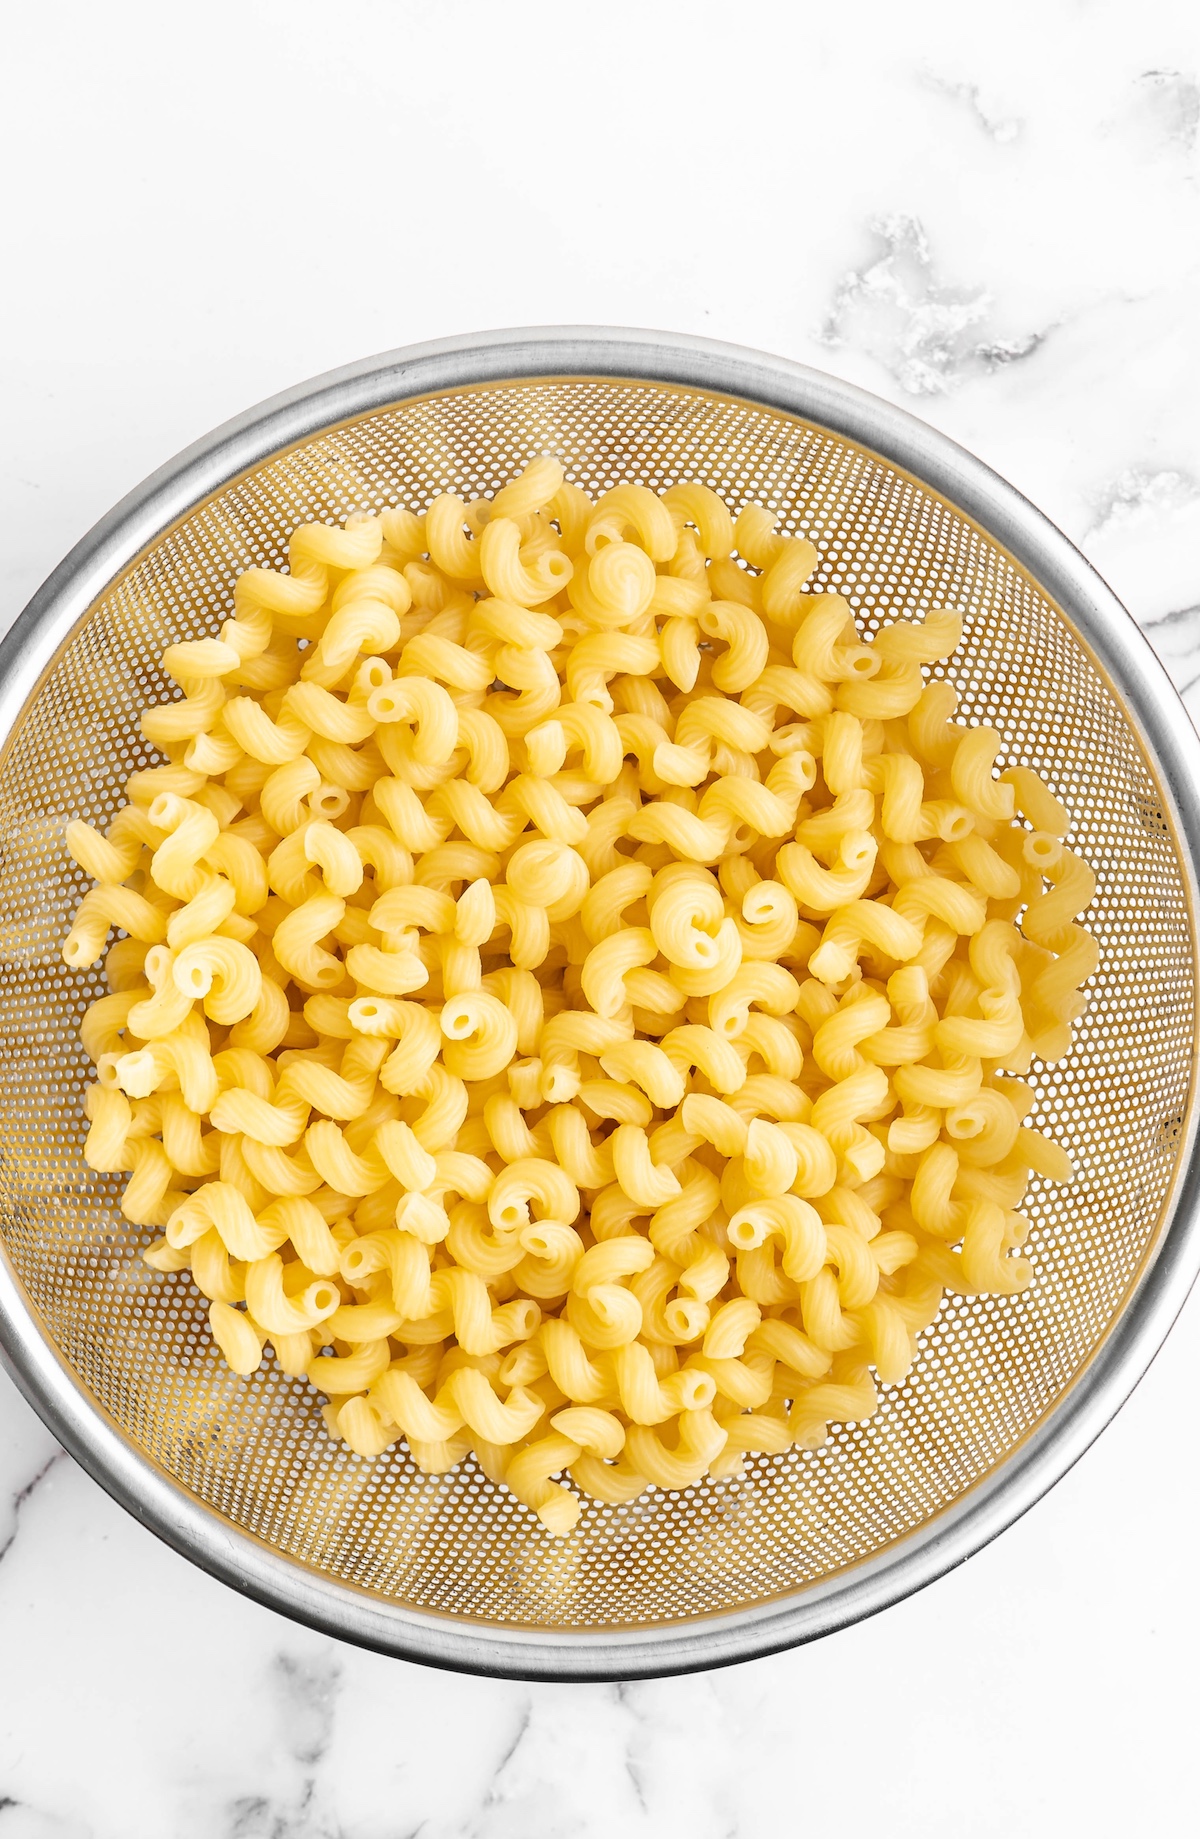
(239, 1475)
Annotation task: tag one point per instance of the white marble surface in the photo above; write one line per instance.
(989, 214)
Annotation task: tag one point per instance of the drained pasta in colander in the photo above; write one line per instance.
(575, 989)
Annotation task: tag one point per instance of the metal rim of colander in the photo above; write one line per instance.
(1167, 737)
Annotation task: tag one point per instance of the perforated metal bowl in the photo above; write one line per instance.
(239, 1475)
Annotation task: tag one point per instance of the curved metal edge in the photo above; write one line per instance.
(1166, 734)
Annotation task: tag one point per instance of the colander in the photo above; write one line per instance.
(239, 1475)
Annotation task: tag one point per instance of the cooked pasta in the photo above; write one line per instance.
(575, 987)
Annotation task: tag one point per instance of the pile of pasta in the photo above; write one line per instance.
(572, 988)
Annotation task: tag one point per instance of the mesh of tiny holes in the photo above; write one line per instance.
(256, 1450)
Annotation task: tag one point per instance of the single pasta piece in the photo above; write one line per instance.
(575, 988)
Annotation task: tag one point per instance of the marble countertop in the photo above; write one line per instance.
(992, 218)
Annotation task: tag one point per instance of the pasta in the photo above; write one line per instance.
(574, 988)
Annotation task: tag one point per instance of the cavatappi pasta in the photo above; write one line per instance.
(573, 987)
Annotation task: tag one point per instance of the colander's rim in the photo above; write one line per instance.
(1168, 739)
